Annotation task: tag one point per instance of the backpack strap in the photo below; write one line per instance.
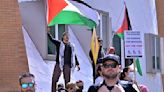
(108, 87)
(127, 85)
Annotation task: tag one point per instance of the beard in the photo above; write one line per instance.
(110, 75)
(28, 90)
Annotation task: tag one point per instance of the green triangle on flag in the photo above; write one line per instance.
(138, 66)
(72, 12)
(121, 35)
(126, 25)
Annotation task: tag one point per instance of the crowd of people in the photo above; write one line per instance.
(107, 73)
(27, 84)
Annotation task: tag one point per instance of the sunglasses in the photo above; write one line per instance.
(25, 85)
(114, 65)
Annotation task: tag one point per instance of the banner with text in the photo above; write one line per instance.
(133, 44)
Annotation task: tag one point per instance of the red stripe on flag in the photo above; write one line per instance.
(54, 7)
(124, 25)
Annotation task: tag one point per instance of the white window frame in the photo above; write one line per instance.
(53, 56)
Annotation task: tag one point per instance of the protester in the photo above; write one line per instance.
(80, 85)
(127, 74)
(66, 59)
(111, 71)
(99, 78)
(71, 87)
(27, 82)
(111, 50)
(100, 55)
(61, 88)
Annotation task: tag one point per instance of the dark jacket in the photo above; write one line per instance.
(57, 43)
(127, 87)
(100, 54)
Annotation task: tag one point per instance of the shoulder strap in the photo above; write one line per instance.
(127, 86)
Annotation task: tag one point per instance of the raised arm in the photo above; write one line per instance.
(56, 42)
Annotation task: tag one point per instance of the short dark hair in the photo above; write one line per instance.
(99, 39)
(79, 81)
(25, 75)
(99, 69)
(122, 75)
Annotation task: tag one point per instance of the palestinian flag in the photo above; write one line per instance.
(71, 12)
(136, 66)
(125, 24)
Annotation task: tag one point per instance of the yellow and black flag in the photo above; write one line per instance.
(94, 46)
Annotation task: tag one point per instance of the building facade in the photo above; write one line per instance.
(33, 19)
(13, 59)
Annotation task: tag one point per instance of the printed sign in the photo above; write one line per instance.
(133, 44)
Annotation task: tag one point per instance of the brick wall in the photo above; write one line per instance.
(160, 16)
(13, 60)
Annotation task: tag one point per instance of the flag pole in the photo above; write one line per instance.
(122, 53)
(134, 78)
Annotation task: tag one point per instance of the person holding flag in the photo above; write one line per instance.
(92, 53)
(65, 59)
(68, 12)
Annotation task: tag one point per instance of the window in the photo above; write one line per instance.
(56, 32)
(156, 54)
(152, 52)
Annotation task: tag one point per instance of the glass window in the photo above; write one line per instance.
(51, 46)
(157, 51)
(57, 34)
(152, 50)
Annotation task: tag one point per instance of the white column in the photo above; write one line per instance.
(162, 54)
(122, 54)
(56, 32)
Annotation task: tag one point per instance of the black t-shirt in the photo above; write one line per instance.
(67, 51)
(67, 54)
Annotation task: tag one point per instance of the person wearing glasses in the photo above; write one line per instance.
(27, 82)
(111, 69)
